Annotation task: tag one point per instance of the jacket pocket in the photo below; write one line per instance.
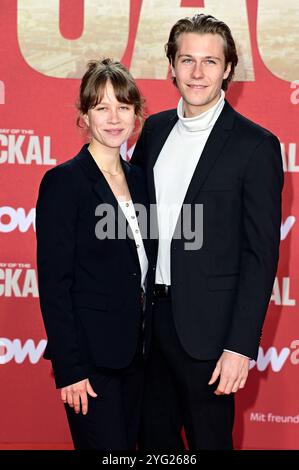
(228, 282)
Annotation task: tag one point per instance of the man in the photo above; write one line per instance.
(210, 302)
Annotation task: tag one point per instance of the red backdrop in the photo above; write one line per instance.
(44, 49)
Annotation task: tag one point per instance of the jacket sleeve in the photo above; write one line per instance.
(263, 183)
(56, 218)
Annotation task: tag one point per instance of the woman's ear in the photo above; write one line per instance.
(85, 119)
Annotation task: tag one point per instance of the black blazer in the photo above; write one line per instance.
(89, 288)
(220, 292)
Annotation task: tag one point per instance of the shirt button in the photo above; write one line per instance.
(127, 204)
(136, 231)
(133, 217)
(137, 246)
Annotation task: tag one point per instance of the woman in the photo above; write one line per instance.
(91, 280)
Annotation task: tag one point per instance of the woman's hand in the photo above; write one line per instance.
(76, 393)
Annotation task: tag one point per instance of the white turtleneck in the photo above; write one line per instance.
(173, 172)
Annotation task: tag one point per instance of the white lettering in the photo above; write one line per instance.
(18, 218)
(18, 282)
(295, 94)
(25, 149)
(289, 158)
(14, 149)
(271, 357)
(2, 92)
(282, 296)
(294, 358)
(257, 417)
(10, 349)
(3, 143)
(286, 226)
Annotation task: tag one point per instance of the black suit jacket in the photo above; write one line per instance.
(220, 292)
(89, 288)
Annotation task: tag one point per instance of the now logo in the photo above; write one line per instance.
(276, 360)
(11, 218)
(15, 350)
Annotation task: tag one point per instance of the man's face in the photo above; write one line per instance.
(199, 68)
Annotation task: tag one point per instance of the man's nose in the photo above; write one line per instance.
(197, 71)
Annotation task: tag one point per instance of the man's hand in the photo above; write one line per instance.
(76, 393)
(233, 371)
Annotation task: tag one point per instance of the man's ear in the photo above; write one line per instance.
(172, 71)
(227, 70)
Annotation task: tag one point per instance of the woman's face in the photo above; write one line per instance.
(110, 122)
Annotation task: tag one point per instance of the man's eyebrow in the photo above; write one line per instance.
(204, 57)
(185, 55)
(212, 57)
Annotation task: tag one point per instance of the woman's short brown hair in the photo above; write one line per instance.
(93, 83)
(204, 24)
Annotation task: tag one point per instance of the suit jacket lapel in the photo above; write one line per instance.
(96, 178)
(211, 152)
(102, 189)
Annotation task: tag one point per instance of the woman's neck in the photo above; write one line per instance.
(106, 158)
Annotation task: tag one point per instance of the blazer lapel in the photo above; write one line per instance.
(211, 152)
(97, 179)
(102, 189)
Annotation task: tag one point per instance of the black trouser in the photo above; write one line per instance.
(113, 417)
(177, 394)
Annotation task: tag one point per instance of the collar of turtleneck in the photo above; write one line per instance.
(203, 121)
